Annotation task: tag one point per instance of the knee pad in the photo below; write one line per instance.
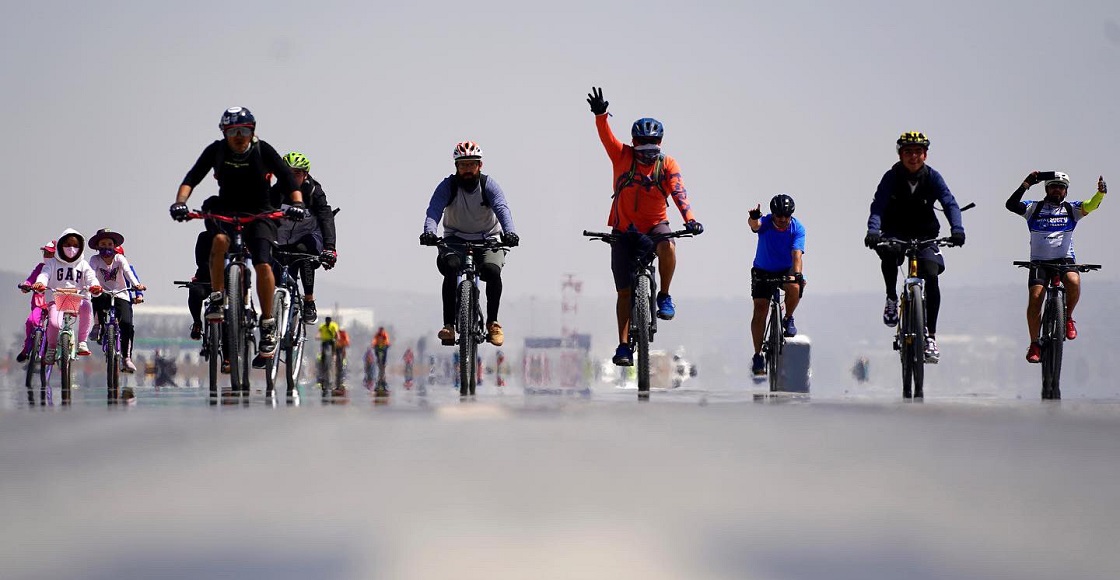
(489, 272)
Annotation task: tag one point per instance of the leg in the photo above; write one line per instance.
(128, 330)
(933, 304)
(1034, 311)
(1072, 281)
(890, 276)
(793, 298)
(491, 274)
(54, 326)
(218, 251)
(196, 294)
(449, 285)
(666, 264)
(758, 322)
(85, 320)
(622, 310)
(266, 286)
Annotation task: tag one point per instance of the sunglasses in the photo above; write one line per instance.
(239, 132)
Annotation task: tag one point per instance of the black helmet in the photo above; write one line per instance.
(237, 117)
(782, 205)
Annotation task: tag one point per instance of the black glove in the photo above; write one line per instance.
(956, 238)
(296, 212)
(428, 239)
(1101, 185)
(694, 227)
(872, 239)
(328, 258)
(1032, 179)
(755, 214)
(511, 239)
(179, 212)
(799, 277)
(595, 99)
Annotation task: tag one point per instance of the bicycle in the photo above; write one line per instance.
(470, 325)
(239, 315)
(287, 309)
(643, 294)
(774, 338)
(210, 351)
(1053, 332)
(68, 301)
(330, 368)
(109, 336)
(910, 334)
(38, 346)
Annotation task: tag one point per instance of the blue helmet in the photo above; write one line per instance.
(647, 128)
(237, 117)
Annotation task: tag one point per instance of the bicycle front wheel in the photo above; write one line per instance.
(903, 338)
(214, 355)
(65, 347)
(272, 364)
(917, 351)
(1053, 341)
(467, 344)
(112, 364)
(640, 320)
(293, 349)
(235, 335)
(774, 347)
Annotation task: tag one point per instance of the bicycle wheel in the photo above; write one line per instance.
(917, 351)
(774, 347)
(640, 317)
(112, 364)
(1053, 335)
(326, 369)
(35, 355)
(467, 344)
(235, 337)
(214, 356)
(902, 339)
(293, 349)
(65, 344)
(280, 314)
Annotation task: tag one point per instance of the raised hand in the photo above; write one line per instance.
(1031, 179)
(595, 99)
(1101, 185)
(756, 213)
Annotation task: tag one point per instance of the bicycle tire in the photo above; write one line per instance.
(272, 365)
(34, 355)
(774, 347)
(214, 356)
(235, 338)
(902, 340)
(65, 342)
(326, 369)
(1053, 331)
(293, 351)
(466, 337)
(918, 344)
(246, 363)
(112, 364)
(640, 317)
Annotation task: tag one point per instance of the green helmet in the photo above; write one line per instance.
(297, 160)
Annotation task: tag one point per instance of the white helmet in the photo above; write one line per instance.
(467, 150)
(1059, 179)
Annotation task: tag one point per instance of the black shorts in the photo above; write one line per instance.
(623, 251)
(1040, 275)
(257, 236)
(930, 261)
(761, 288)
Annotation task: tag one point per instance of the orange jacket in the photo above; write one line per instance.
(641, 203)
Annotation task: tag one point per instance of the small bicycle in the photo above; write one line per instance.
(109, 337)
(643, 294)
(68, 301)
(1053, 332)
(38, 348)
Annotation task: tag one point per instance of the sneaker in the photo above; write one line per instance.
(623, 356)
(268, 337)
(1034, 353)
(225, 366)
(310, 314)
(665, 308)
(260, 362)
(932, 354)
(1071, 329)
(128, 365)
(22, 356)
(789, 330)
(49, 356)
(496, 337)
(214, 308)
(95, 332)
(890, 313)
(758, 365)
(83, 349)
(196, 331)
(447, 335)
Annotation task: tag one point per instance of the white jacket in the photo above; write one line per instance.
(74, 273)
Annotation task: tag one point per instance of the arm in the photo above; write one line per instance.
(499, 205)
(275, 164)
(1094, 202)
(324, 216)
(440, 198)
(1014, 204)
(611, 143)
(34, 274)
(797, 265)
(754, 218)
(879, 204)
(131, 276)
(198, 172)
(948, 202)
(677, 190)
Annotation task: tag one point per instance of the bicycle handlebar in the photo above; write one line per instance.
(488, 244)
(915, 244)
(1059, 267)
(237, 220)
(295, 257)
(613, 236)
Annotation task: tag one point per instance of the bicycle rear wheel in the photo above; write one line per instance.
(467, 345)
(65, 344)
(640, 321)
(293, 349)
(1053, 337)
(272, 364)
(917, 351)
(112, 364)
(774, 347)
(235, 337)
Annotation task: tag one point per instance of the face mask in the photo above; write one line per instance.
(70, 252)
(647, 153)
(106, 252)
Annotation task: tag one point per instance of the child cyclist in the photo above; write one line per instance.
(116, 274)
(67, 270)
(38, 303)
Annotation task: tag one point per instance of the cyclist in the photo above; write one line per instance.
(370, 362)
(38, 303)
(242, 164)
(644, 179)
(328, 336)
(781, 243)
(1051, 222)
(313, 236)
(903, 209)
(68, 270)
(381, 345)
(409, 360)
(116, 273)
(472, 207)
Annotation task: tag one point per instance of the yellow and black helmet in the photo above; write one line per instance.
(912, 138)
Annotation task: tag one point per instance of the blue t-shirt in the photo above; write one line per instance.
(775, 247)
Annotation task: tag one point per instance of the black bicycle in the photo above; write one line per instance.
(643, 293)
(469, 323)
(1052, 337)
(239, 315)
(774, 338)
(911, 335)
(287, 309)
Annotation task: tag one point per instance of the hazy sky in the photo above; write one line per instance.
(107, 105)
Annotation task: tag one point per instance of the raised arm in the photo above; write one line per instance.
(1015, 203)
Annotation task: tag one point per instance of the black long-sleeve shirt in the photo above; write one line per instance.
(242, 178)
(315, 200)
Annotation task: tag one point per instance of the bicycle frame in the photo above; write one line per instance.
(289, 319)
